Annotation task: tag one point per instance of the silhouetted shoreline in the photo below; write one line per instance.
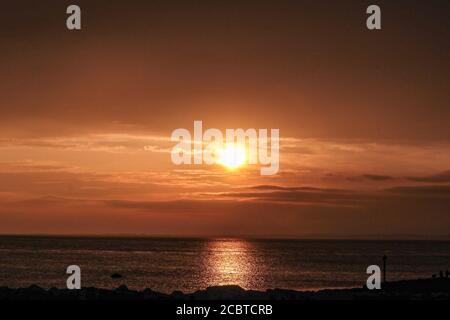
(427, 289)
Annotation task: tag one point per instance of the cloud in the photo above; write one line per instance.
(33, 166)
(417, 191)
(377, 177)
(111, 142)
(276, 213)
(297, 195)
(436, 178)
(333, 197)
(275, 187)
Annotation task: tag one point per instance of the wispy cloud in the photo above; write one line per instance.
(435, 178)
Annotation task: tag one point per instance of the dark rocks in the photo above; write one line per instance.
(122, 288)
(116, 276)
(435, 289)
(178, 295)
(149, 294)
(221, 293)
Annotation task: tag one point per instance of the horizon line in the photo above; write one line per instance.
(391, 237)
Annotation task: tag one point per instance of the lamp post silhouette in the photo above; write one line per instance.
(384, 269)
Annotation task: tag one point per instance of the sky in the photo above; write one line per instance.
(86, 118)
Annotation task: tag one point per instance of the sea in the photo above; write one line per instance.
(169, 264)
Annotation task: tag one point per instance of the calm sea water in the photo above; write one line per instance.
(191, 264)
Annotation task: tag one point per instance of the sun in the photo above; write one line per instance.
(231, 156)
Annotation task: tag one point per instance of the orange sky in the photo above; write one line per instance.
(86, 118)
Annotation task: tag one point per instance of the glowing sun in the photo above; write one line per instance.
(231, 156)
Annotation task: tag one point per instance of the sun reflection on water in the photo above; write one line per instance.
(230, 262)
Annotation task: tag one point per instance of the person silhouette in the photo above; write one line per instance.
(447, 273)
(441, 274)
